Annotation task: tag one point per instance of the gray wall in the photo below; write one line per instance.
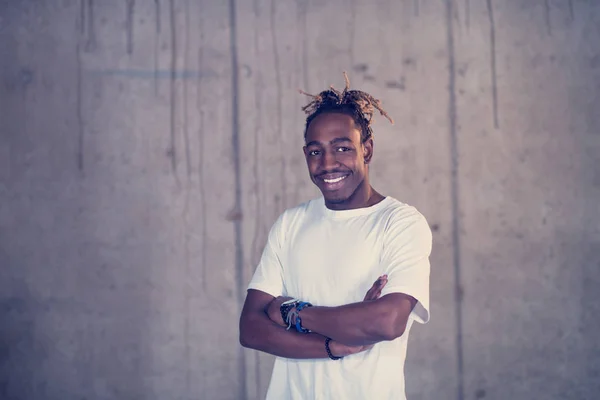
(147, 146)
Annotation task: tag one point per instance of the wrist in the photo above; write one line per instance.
(290, 312)
(336, 349)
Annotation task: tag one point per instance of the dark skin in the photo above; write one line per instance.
(337, 161)
(259, 332)
(334, 147)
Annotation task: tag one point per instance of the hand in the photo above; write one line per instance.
(342, 350)
(273, 310)
(375, 291)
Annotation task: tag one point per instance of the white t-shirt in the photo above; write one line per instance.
(331, 258)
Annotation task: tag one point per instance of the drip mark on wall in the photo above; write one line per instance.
(493, 62)
(188, 277)
(186, 137)
(129, 25)
(82, 11)
(157, 16)
(186, 292)
(352, 31)
(279, 107)
(237, 223)
(172, 149)
(547, 12)
(79, 112)
(571, 10)
(303, 11)
(468, 14)
(258, 192)
(452, 117)
(199, 107)
(90, 44)
(156, 43)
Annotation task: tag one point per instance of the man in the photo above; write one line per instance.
(331, 340)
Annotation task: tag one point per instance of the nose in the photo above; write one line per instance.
(329, 161)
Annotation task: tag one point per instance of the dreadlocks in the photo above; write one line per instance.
(359, 105)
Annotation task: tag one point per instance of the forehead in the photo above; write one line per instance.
(328, 126)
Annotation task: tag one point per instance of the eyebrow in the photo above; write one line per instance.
(334, 141)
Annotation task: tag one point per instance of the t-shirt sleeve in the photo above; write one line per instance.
(405, 259)
(268, 276)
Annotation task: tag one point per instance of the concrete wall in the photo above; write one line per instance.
(147, 146)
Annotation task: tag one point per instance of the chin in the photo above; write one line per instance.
(334, 198)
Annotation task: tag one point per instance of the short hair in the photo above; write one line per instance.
(357, 104)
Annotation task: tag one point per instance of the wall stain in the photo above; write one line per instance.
(80, 138)
(188, 273)
(158, 74)
(468, 14)
(186, 137)
(279, 100)
(172, 147)
(200, 109)
(400, 84)
(90, 44)
(302, 9)
(361, 68)
(547, 12)
(235, 144)
(416, 7)
(257, 240)
(352, 30)
(26, 77)
(129, 24)
(82, 11)
(490, 9)
(187, 281)
(571, 10)
(457, 15)
(156, 43)
(454, 179)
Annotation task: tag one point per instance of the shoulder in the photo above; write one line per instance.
(398, 212)
(401, 218)
(302, 210)
(293, 216)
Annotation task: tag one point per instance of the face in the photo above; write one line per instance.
(337, 160)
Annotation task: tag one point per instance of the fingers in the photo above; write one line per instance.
(375, 290)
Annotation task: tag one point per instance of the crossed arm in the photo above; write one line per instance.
(352, 327)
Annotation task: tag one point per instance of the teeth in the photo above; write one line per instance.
(334, 180)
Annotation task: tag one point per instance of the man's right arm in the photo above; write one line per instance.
(258, 332)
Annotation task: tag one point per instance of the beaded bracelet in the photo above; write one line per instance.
(329, 351)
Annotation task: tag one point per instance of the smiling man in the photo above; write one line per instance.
(306, 302)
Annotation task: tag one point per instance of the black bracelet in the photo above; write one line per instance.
(329, 351)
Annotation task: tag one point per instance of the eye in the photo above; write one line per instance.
(343, 149)
(313, 153)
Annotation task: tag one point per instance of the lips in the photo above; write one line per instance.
(333, 181)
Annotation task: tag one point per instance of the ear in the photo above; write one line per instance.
(368, 150)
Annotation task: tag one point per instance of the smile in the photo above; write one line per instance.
(336, 180)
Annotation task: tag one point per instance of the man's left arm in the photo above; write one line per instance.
(406, 262)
